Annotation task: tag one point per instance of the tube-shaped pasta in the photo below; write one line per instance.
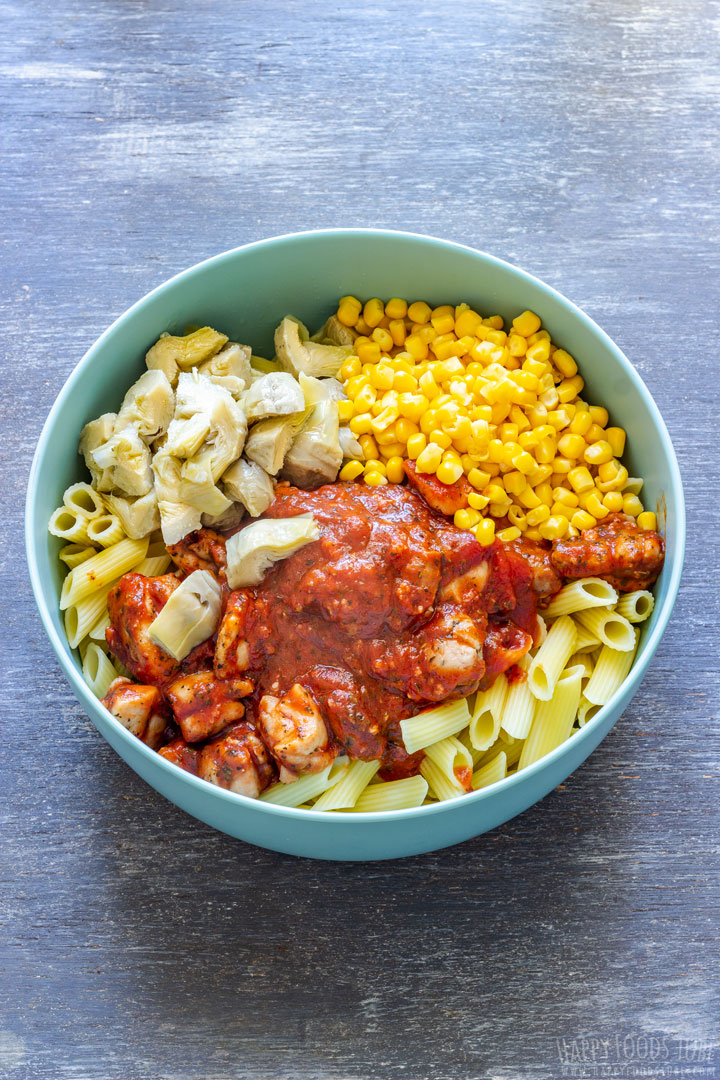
(392, 795)
(80, 618)
(69, 524)
(584, 661)
(447, 767)
(73, 554)
(307, 787)
(586, 642)
(511, 748)
(84, 499)
(552, 657)
(612, 629)
(434, 724)
(97, 630)
(636, 606)
(518, 710)
(153, 565)
(579, 595)
(495, 769)
(586, 711)
(611, 669)
(347, 790)
(98, 671)
(487, 714)
(100, 570)
(554, 718)
(105, 530)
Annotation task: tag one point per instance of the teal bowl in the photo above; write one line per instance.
(245, 292)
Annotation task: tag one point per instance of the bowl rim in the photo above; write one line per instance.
(88, 700)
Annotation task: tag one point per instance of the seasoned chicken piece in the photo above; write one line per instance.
(203, 704)
(505, 644)
(545, 579)
(445, 498)
(295, 733)
(443, 659)
(133, 605)
(616, 550)
(340, 696)
(232, 648)
(179, 753)
(238, 761)
(203, 549)
(138, 708)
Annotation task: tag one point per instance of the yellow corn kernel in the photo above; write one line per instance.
(416, 347)
(428, 421)
(415, 445)
(581, 520)
(346, 410)
(632, 506)
(495, 322)
(351, 470)
(466, 519)
(544, 492)
(375, 478)
(497, 337)
(538, 515)
(524, 462)
(374, 464)
(539, 335)
(391, 450)
(581, 480)
(647, 520)
(555, 527)
(592, 502)
(508, 432)
(426, 333)
(396, 308)
(506, 535)
(428, 459)
(394, 470)
(571, 445)
(383, 338)
(444, 323)
(496, 451)
(404, 428)
(368, 351)
(613, 501)
(449, 471)
(570, 388)
(419, 312)
(404, 383)
(517, 517)
(531, 534)
(428, 385)
(485, 532)
(565, 496)
(514, 482)
(565, 364)
(386, 437)
(540, 350)
(599, 415)
(598, 453)
(478, 478)
(563, 466)
(369, 446)
(545, 450)
(612, 476)
(382, 377)
(467, 323)
(526, 324)
(549, 398)
(397, 331)
(350, 368)
(477, 501)
(360, 424)
(348, 311)
(373, 312)
(362, 327)
(517, 345)
(616, 437)
(528, 499)
(365, 399)
(413, 406)
(439, 438)
(581, 422)
(384, 420)
(355, 384)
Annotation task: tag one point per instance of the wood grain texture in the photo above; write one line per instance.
(578, 140)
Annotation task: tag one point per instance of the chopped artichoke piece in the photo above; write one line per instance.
(198, 488)
(277, 394)
(173, 354)
(255, 548)
(177, 520)
(335, 333)
(260, 365)
(148, 405)
(248, 485)
(349, 444)
(185, 437)
(297, 353)
(190, 615)
(228, 520)
(197, 394)
(315, 456)
(127, 459)
(233, 360)
(92, 436)
(269, 441)
(315, 390)
(138, 517)
(235, 387)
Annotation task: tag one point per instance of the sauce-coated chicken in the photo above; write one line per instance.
(203, 704)
(238, 760)
(295, 732)
(617, 550)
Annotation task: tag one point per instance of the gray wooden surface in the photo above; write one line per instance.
(578, 139)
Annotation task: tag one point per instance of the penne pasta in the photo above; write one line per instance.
(351, 784)
(434, 724)
(98, 671)
(611, 669)
(84, 499)
(586, 710)
(73, 554)
(636, 606)
(611, 629)
(585, 661)
(97, 630)
(554, 718)
(100, 570)
(69, 524)
(300, 791)
(586, 642)
(153, 566)
(551, 657)
(485, 721)
(105, 530)
(81, 618)
(579, 595)
(447, 767)
(518, 710)
(392, 795)
(495, 769)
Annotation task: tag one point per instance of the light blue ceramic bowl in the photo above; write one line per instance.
(245, 292)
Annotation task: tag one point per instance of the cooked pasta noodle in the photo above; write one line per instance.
(73, 554)
(98, 671)
(610, 670)
(434, 724)
(347, 790)
(554, 718)
(584, 661)
(153, 566)
(636, 606)
(392, 795)
(100, 570)
(586, 642)
(518, 710)
(97, 630)
(487, 714)
(80, 618)
(84, 499)
(552, 657)
(495, 769)
(307, 787)
(586, 711)
(105, 530)
(69, 524)
(445, 767)
(579, 595)
(612, 629)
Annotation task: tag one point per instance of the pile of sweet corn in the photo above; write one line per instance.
(460, 395)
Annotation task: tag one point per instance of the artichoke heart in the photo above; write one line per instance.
(185, 437)
(198, 488)
(228, 425)
(232, 361)
(253, 550)
(269, 441)
(189, 617)
(148, 405)
(139, 516)
(315, 456)
(177, 519)
(297, 353)
(174, 354)
(335, 333)
(94, 435)
(315, 390)
(351, 448)
(260, 366)
(248, 484)
(127, 459)
(277, 394)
